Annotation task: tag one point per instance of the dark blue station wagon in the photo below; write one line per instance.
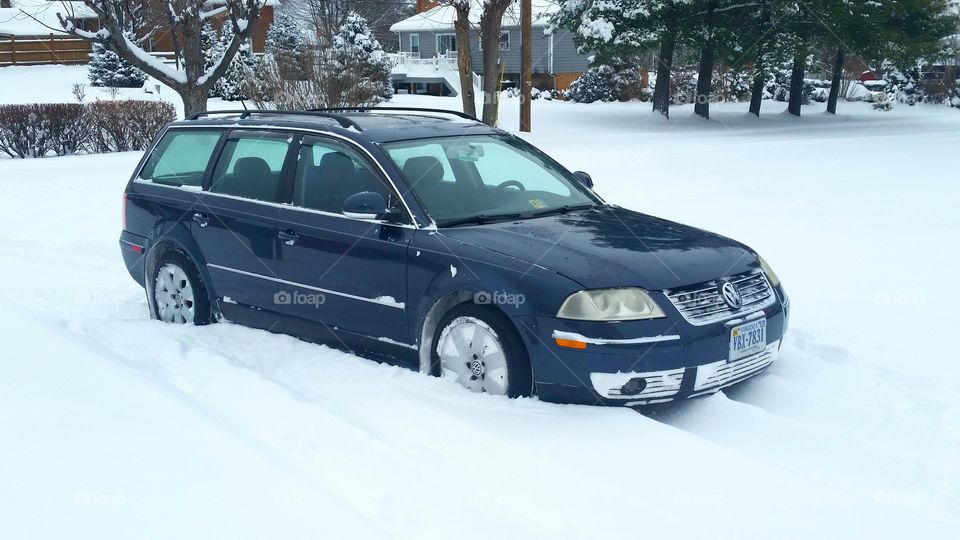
(427, 239)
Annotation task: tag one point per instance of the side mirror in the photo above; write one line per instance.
(584, 178)
(365, 205)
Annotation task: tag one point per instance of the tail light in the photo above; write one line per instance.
(123, 211)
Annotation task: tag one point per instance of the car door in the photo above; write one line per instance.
(344, 273)
(235, 220)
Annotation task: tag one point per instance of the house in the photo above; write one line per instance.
(429, 36)
(30, 32)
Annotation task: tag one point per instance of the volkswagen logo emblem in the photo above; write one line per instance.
(730, 294)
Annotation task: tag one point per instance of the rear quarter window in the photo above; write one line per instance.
(181, 157)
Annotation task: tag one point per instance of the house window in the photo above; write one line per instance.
(446, 42)
(415, 43)
(504, 41)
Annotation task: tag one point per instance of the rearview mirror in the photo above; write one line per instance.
(464, 152)
(365, 205)
(584, 178)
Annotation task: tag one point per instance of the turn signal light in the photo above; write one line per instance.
(570, 344)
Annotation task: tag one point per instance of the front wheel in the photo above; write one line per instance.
(479, 348)
(179, 296)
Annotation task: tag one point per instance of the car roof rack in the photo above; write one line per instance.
(344, 122)
(396, 109)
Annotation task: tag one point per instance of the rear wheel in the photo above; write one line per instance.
(179, 296)
(479, 348)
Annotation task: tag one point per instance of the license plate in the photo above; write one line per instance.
(747, 339)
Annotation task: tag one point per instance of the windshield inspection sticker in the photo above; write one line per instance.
(537, 203)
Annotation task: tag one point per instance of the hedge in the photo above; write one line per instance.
(39, 130)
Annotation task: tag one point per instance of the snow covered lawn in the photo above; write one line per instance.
(115, 426)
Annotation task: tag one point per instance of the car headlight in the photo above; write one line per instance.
(610, 305)
(771, 275)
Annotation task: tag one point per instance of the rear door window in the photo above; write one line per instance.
(181, 157)
(250, 165)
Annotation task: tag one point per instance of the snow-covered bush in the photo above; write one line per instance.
(109, 70)
(882, 102)
(595, 84)
(954, 100)
(683, 85)
(777, 86)
(732, 85)
(37, 130)
(604, 83)
(904, 86)
(120, 126)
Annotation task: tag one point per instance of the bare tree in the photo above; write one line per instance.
(461, 26)
(182, 21)
(491, 20)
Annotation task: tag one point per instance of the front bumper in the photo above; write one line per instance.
(619, 367)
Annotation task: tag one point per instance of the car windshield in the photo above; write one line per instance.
(486, 177)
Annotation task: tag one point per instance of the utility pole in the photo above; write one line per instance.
(526, 63)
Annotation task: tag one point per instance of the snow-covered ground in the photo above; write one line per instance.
(115, 426)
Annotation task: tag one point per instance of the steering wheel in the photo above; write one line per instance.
(511, 183)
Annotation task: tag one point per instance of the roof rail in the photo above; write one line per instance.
(344, 122)
(396, 109)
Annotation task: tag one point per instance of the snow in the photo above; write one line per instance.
(453, 269)
(442, 17)
(38, 17)
(573, 336)
(113, 424)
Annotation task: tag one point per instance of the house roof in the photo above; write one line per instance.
(442, 17)
(37, 17)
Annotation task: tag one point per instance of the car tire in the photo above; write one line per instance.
(479, 347)
(178, 294)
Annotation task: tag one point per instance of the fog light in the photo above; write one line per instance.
(633, 387)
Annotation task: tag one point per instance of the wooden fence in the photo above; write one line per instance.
(50, 49)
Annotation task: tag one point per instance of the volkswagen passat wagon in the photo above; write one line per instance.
(427, 239)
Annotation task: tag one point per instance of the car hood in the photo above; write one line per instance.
(610, 246)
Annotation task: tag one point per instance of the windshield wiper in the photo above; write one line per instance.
(559, 210)
(478, 220)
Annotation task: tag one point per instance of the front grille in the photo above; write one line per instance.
(702, 304)
(660, 384)
(714, 376)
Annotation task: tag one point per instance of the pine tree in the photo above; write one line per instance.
(108, 69)
(213, 49)
(230, 86)
(358, 54)
(287, 44)
(284, 34)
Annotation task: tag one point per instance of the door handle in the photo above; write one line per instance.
(289, 236)
(201, 219)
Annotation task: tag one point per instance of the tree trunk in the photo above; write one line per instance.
(194, 99)
(796, 83)
(490, 35)
(704, 82)
(756, 95)
(661, 89)
(464, 59)
(835, 82)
